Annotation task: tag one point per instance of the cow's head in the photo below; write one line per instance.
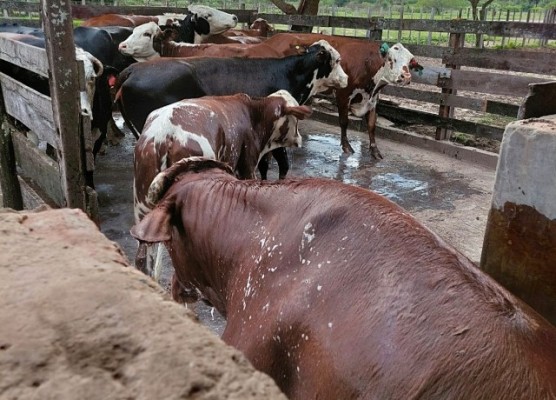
(139, 44)
(397, 63)
(329, 72)
(284, 129)
(262, 26)
(93, 69)
(210, 21)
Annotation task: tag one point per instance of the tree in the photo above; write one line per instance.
(306, 7)
(475, 6)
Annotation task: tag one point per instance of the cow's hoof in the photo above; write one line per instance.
(375, 153)
(346, 147)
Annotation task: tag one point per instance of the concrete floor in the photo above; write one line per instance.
(450, 196)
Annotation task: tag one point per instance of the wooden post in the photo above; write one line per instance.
(11, 191)
(456, 42)
(64, 90)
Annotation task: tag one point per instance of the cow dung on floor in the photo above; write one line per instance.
(78, 323)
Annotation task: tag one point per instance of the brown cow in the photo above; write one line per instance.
(129, 21)
(235, 129)
(369, 66)
(148, 41)
(338, 293)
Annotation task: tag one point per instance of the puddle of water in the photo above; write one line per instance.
(402, 181)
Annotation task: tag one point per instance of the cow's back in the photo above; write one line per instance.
(192, 78)
(338, 293)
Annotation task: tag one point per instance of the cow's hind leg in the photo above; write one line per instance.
(145, 258)
(371, 127)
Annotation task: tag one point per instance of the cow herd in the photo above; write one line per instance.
(331, 289)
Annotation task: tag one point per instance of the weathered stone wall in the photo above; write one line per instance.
(76, 322)
(519, 248)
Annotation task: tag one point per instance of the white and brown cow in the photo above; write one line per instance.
(234, 129)
(338, 293)
(369, 66)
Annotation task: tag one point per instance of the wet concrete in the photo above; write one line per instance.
(449, 196)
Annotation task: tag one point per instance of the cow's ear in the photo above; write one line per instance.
(155, 226)
(202, 26)
(300, 112)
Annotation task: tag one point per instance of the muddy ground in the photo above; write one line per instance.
(450, 196)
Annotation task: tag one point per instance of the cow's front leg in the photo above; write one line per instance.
(281, 157)
(371, 127)
(343, 110)
(263, 166)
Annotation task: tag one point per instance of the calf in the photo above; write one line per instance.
(338, 293)
(235, 129)
(144, 87)
(369, 66)
(148, 41)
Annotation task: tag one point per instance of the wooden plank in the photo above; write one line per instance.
(30, 22)
(64, 90)
(19, 6)
(430, 75)
(426, 50)
(485, 82)
(36, 165)
(31, 108)
(303, 20)
(495, 28)
(538, 62)
(410, 117)
(469, 103)
(9, 184)
(23, 55)
(87, 11)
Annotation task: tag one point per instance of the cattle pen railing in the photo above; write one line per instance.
(46, 142)
(458, 80)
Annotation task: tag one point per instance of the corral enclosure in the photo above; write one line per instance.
(471, 91)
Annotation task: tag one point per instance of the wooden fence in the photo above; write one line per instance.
(48, 138)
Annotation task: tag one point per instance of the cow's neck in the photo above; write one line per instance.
(225, 235)
(303, 86)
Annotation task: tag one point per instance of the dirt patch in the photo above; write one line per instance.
(79, 323)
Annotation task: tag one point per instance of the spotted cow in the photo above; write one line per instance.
(338, 293)
(369, 65)
(234, 129)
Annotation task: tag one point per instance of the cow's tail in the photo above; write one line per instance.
(122, 77)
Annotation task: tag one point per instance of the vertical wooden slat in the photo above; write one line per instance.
(11, 191)
(64, 89)
(456, 42)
